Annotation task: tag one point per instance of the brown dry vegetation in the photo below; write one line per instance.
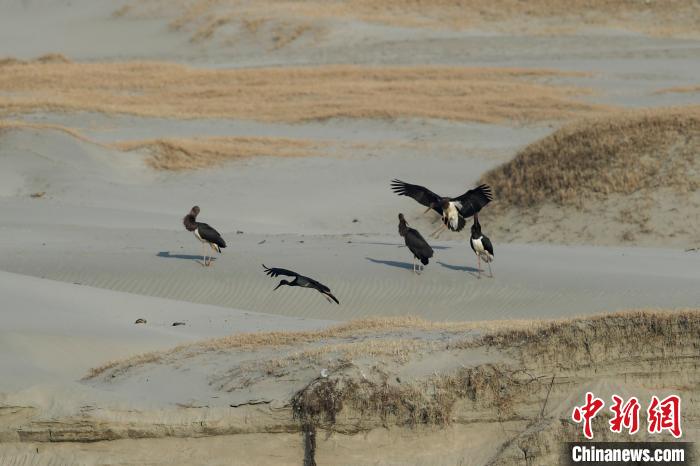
(206, 18)
(552, 361)
(345, 330)
(177, 154)
(498, 333)
(290, 94)
(187, 154)
(592, 159)
(679, 90)
(16, 124)
(525, 379)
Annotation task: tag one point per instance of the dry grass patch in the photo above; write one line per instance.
(590, 160)
(187, 154)
(614, 340)
(489, 95)
(177, 154)
(624, 336)
(679, 90)
(353, 328)
(17, 124)
(670, 17)
(495, 331)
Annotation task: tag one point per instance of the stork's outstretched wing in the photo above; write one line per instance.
(419, 193)
(473, 200)
(275, 272)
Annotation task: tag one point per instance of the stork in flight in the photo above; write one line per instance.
(453, 210)
(481, 245)
(420, 248)
(204, 233)
(300, 280)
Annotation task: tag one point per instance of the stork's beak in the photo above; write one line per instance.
(278, 285)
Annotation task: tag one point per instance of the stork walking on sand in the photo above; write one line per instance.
(300, 280)
(204, 233)
(481, 245)
(453, 210)
(418, 246)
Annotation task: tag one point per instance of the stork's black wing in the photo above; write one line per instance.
(419, 193)
(210, 234)
(275, 272)
(473, 200)
(418, 245)
(330, 295)
(487, 245)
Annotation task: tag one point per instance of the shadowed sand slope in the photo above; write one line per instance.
(641, 169)
(290, 94)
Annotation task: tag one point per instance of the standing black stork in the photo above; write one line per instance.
(454, 210)
(481, 245)
(300, 280)
(204, 233)
(416, 244)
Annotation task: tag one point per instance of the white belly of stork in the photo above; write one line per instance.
(480, 250)
(452, 216)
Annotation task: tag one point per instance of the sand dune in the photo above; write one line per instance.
(638, 171)
(518, 379)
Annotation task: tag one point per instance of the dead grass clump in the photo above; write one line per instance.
(489, 95)
(595, 158)
(47, 58)
(679, 90)
(187, 154)
(372, 401)
(587, 341)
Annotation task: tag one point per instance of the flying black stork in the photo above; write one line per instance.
(204, 233)
(300, 280)
(416, 244)
(481, 245)
(453, 210)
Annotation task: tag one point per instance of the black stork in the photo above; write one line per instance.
(454, 210)
(300, 280)
(481, 245)
(204, 233)
(416, 244)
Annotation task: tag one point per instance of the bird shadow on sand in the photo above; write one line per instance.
(188, 257)
(401, 265)
(400, 245)
(461, 268)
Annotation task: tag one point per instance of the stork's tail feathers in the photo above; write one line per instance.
(424, 260)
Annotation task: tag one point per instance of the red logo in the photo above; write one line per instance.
(625, 416)
(662, 415)
(665, 415)
(587, 412)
